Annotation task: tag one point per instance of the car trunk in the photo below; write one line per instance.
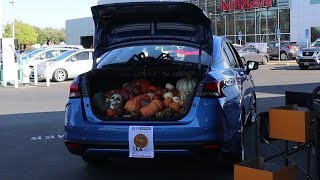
(158, 92)
(151, 90)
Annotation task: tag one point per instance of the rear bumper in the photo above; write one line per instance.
(119, 149)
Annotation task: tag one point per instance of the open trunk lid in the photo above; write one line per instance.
(123, 24)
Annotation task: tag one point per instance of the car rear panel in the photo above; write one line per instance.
(198, 125)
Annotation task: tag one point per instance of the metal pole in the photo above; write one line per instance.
(47, 74)
(35, 71)
(16, 78)
(279, 28)
(1, 15)
(13, 31)
(279, 48)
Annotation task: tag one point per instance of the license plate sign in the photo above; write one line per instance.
(141, 142)
(306, 63)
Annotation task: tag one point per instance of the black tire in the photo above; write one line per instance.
(265, 60)
(283, 56)
(59, 75)
(95, 160)
(303, 67)
(243, 60)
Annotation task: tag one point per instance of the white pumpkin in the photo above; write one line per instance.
(168, 95)
(186, 84)
(169, 86)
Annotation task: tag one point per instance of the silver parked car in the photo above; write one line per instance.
(309, 56)
(249, 53)
(67, 65)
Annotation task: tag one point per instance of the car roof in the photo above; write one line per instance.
(101, 2)
(66, 46)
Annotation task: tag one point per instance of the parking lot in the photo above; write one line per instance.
(32, 120)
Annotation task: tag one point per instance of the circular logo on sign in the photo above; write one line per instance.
(140, 140)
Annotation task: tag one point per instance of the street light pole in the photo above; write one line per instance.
(12, 3)
(16, 83)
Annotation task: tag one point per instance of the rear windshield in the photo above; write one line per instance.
(294, 43)
(153, 53)
(316, 43)
(64, 55)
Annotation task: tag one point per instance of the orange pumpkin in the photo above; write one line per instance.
(167, 102)
(111, 92)
(143, 83)
(111, 112)
(181, 103)
(174, 92)
(174, 106)
(150, 110)
(152, 89)
(135, 103)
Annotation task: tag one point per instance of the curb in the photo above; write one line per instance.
(283, 63)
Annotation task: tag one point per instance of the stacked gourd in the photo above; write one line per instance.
(140, 98)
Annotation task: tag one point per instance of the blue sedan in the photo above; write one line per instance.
(141, 102)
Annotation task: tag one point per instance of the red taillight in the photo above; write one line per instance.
(74, 90)
(212, 146)
(73, 145)
(290, 47)
(213, 89)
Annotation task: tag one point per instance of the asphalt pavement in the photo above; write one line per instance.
(31, 128)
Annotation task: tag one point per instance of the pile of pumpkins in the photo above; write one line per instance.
(140, 98)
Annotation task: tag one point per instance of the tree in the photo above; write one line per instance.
(25, 33)
(42, 39)
(54, 35)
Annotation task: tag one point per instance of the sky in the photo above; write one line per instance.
(46, 13)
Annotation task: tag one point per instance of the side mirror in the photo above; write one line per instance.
(251, 65)
(73, 59)
(258, 51)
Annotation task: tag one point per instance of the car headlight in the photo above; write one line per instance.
(299, 53)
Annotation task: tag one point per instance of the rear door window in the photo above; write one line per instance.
(236, 55)
(230, 56)
(51, 54)
(82, 56)
(252, 50)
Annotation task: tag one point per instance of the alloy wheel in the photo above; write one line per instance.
(264, 60)
(60, 75)
(283, 56)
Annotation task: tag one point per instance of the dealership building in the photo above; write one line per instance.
(248, 20)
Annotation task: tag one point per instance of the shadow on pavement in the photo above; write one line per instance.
(158, 170)
(280, 89)
(295, 67)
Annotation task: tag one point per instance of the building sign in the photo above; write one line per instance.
(229, 5)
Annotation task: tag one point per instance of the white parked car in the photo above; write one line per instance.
(67, 65)
(43, 54)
